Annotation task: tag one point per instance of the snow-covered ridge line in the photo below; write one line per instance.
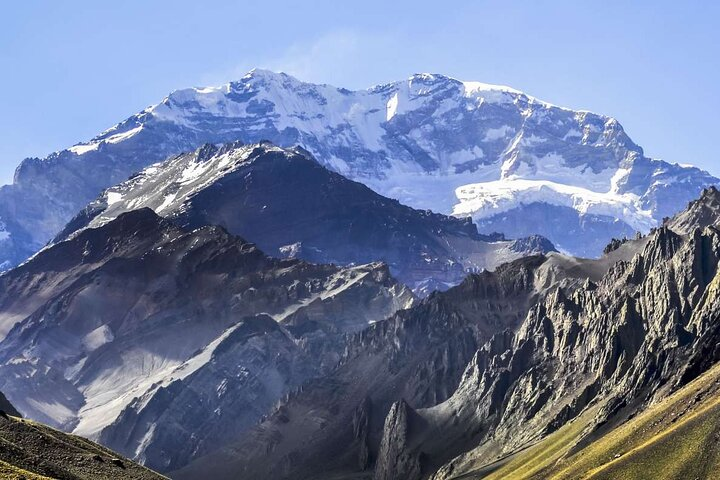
(483, 200)
(214, 99)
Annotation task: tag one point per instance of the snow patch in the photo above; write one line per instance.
(113, 197)
(493, 134)
(124, 135)
(83, 148)
(291, 251)
(483, 200)
(392, 106)
(98, 337)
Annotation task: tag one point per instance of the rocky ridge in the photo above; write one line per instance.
(291, 206)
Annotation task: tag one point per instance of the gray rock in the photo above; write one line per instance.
(166, 343)
(617, 334)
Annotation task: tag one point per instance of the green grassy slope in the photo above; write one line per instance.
(678, 438)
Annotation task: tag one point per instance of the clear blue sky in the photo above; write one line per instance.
(72, 69)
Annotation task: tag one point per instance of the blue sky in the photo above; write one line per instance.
(72, 69)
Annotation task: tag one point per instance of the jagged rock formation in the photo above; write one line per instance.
(291, 206)
(598, 341)
(615, 346)
(393, 459)
(417, 355)
(121, 328)
(430, 141)
(675, 438)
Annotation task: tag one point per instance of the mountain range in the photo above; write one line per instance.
(515, 164)
(116, 317)
(428, 279)
(190, 351)
(291, 206)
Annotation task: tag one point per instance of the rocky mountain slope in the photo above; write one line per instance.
(32, 451)
(418, 354)
(430, 141)
(582, 346)
(291, 206)
(136, 320)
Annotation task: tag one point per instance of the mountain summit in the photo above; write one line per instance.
(514, 163)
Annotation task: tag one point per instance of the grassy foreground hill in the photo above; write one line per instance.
(678, 438)
(33, 451)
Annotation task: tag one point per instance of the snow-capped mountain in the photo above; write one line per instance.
(291, 206)
(430, 141)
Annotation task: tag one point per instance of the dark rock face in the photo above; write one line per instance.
(7, 407)
(167, 342)
(361, 432)
(291, 206)
(616, 344)
(394, 458)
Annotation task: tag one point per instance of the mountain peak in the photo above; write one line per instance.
(258, 72)
(292, 206)
(699, 213)
(264, 77)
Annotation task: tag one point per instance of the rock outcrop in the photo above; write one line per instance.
(6, 407)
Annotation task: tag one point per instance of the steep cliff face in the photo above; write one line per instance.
(616, 347)
(393, 458)
(121, 327)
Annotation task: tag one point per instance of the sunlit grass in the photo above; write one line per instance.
(676, 439)
(9, 472)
